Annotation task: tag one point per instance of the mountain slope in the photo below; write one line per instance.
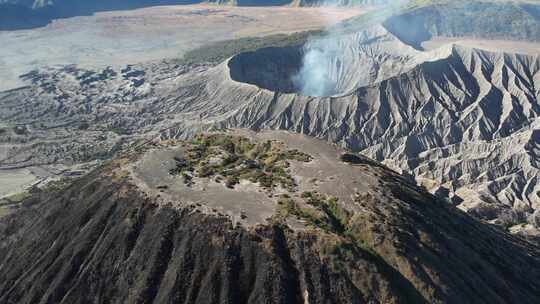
(132, 232)
(462, 121)
(466, 122)
(485, 19)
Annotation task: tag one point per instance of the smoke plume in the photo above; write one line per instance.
(315, 77)
(321, 68)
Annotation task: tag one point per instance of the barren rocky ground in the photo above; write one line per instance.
(346, 229)
(460, 120)
(118, 38)
(406, 163)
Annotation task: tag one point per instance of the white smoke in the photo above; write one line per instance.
(315, 76)
(321, 63)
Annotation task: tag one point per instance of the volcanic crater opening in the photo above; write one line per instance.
(298, 70)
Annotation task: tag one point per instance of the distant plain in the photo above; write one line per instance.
(118, 38)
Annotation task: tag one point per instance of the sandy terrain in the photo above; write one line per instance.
(15, 181)
(508, 46)
(123, 37)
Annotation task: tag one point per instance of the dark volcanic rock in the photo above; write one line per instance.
(269, 68)
(101, 240)
(94, 244)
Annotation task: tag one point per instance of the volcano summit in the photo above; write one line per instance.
(278, 218)
(389, 158)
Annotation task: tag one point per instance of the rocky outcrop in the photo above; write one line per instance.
(107, 238)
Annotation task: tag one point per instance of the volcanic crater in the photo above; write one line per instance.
(311, 70)
(325, 67)
(268, 68)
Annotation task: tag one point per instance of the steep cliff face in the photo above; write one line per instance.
(269, 68)
(378, 53)
(355, 232)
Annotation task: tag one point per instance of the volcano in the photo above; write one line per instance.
(244, 217)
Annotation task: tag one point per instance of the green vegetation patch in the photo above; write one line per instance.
(334, 218)
(56, 185)
(220, 51)
(15, 198)
(289, 207)
(235, 158)
(12, 202)
(323, 212)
